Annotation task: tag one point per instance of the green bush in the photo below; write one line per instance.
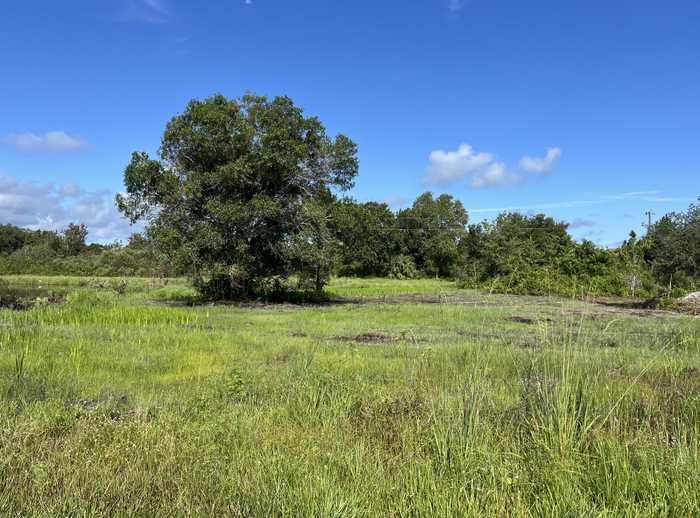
(403, 267)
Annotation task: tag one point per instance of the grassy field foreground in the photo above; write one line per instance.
(408, 399)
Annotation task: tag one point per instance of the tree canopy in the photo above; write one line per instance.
(432, 230)
(74, 237)
(673, 247)
(368, 235)
(227, 192)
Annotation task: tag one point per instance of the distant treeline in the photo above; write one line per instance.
(42, 252)
(433, 238)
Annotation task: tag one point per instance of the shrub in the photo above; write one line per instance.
(403, 267)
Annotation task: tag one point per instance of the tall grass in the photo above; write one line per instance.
(121, 404)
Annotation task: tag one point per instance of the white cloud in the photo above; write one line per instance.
(53, 142)
(452, 166)
(483, 169)
(70, 189)
(47, 207)
(540, 165)
(494, 175)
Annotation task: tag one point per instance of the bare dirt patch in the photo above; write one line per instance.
(619, 306)
(690, 372)
(369, 337)
(520, 320)
(688, 309)
(469, 298)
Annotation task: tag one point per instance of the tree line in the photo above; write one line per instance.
(246, 197)
(515, 253)
(42, 252)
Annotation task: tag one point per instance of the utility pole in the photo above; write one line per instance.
(648, 214)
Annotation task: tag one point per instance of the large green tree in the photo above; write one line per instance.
(226, 195)
(368, 236)
(432, 229)
(74, 238)
(673, 246)
(515, 243)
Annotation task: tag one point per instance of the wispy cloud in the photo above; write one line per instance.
(650, 196)
(146, 11)
(157, 5)
(51, 142)
(644, 196)
(484, 169)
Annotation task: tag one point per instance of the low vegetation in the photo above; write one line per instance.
(401, 398)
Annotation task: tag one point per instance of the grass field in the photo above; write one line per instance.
(399, 398)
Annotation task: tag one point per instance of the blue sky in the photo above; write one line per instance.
(588, 111)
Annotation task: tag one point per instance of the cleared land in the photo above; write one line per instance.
(398, 398)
